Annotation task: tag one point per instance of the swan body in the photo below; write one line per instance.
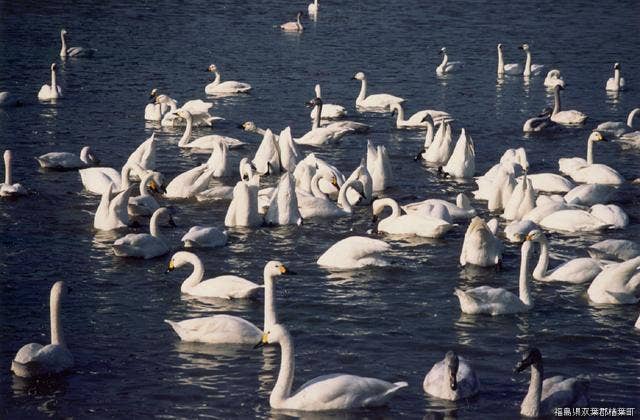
(35, 360)
(380, 102)
(539, 123)
(67, 161)
(553, 79)
(462, 210)
(112, 211)
(324, 393)
(501, 189)
(312, 8)
(589, 194)
(190, 183)
(154, 111)
(319, 205)
(287, 151)
(225, 192)
(498, 301)
(615, 83)
(329, 111)
(451, 379)
(586, 171)
(198, 109)
(441, 148)
(530, 69)
(611, 214)
(321, 135)
(283, 209)
(379, 167)
(617, 284)
(204, 237)
(480, 247)
(543, 210)
(549, 183)
(243, 209)
(570, 117)
(53, 91)
(614, 249)
(571, 220)
(73, 51)
(522, 200)
(417, 120)
(408, 224)
(619, 128)
(447, 66)
(224, 87)
(355, 252)
(267, 157)
(145, 155)
(97, 179)
(145, 204)
(8, 188)
(293, 26)
(218, 159)
(462, 162)
(511, 69)
(205, 142)
(144, 245)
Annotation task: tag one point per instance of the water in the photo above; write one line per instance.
(392, 323)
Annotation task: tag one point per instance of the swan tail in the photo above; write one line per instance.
(466, 301)
(381, 399)
(178, 329)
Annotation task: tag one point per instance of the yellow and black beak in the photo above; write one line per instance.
(263, 341)
(171, 266)
(153, 186)
(334, 182)
(285, 271)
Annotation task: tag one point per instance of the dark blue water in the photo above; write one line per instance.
(391, 323)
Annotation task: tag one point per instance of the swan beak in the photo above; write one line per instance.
(171, 267)
(374, 219)
(453, 381)
(334, 182)
(520, 47)
(263, 341)
(172, 223)
(285, 271)
(520, 366)
(241, 126)
(419, 155)
(153, 186)
(528, 238)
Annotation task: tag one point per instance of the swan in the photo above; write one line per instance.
(587, 171)
(228, 86)
(190, 183)
(522, 200)
(205, 142)
(498, 301)
(462, 162)
(308, 166)
(288, 153)
(441, 148)
(512, 69)
(589, 194)
(225, 287)
(283, 209)
(319, 205)
(97, 179)
(60, 161)
(462, 210)
(267, 157)
(451, 379)
(355, 252)
(329, 111)
(379, 102)
(312, 9)
(112, 211)
(545, 209)
(481, 246)
(53, 91)
(7, 99)
(154, 111)
(34, 360)
(517, 230)
(251, 127)
(446, 66)
(243, 209)
(615, 83)
(408, 224)
(379, 167)
(218, 159)
(576, 271)
(225, 192)
(145, 245)
(362, 175)
(417, 120)
(573, 220)
(617, 284)
(557, 392)
(198, 109)
(324, 393)
(530, 69)
(145, 155)
(618, 128)
(539, 123)
(614, 249)
(570, 117)
(293, 26)
(318, 114)
(8, 188)
(553, 78)
(321, 135)
(73, 51)
(611, 214)
(145, 204)
(204, 237)
(549, 183)
(497, 190)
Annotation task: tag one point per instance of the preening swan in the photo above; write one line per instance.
(557, 392)
(570, 117)
(611, 214)
(154, 111)
(73, 51)
(553, 79)
(319, 205)
(617, 284)
(227, 329)
(462, 162)
(417, 120)
(293, 26)
(451, 379)
(225, 287)
(529, 68)
(481, 246)
(204, 142)
(587, 171)
(614, 249)
(380, 102)
(218, 159)
(324, 393)
(618, 128)
(329, 111)
(511, 69)
(408, 224)
(615, 83)
(144, 157)
(53, 91)
(522, 200)
(145, 245)
(462, 210)
(112, 211)
(498, 301)
(355, 252)
(8, 188)
(362, 175)
(60, 161)
(226, 87)
(204, 237)
(447, 66)
(33, 360)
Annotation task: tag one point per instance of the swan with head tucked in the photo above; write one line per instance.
(34, 360)
(586, 171)
(557, 392)
(408, 224)
(461, 210)
(618, 128)
(462, 162)
(451, 379)
(553, 79)
(227, 329)
(226, 87)
(225, 287)
(204, 142)
(61, 161)
(615, 83)
(145, 204)
(324, 393)
(576, 271)
(447, 66)
(497, 301)
(570, 117)
(243, 210)
(481, 246)
(145, 245)
(8, 188)
(589, 194)
(329, 111)
(53, 91)
(355, 252)
(614, 249)
(511, 69)
(204, 237)
(617, 284)
(73, 51)
(549, 183)
(190, 183)
(380, 102)
(417, 120)
(529, 68)
(573, 220)
(295, 26)
(112, 211)
(362, 175)
(611, 214)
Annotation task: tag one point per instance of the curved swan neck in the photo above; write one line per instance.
(54, 89)
(197, 274)
(523, 283)
(500, 63)
(184, 140)
(7, 168)
(216, 80)
(428, 138)
(631, 116)
(270, 315)
(540, 271)
(144, 191)
(390, 202)
(363, 90)
(56, 326)
(556, 102)
(282, 388)
(124, 177)
(531, 404)
(63, 50)
(400, 116)
(153, 225)
(590, 152)
(342, 195)
(527, 64)
(315, 186)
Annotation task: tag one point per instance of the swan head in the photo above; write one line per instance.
(597, 136)
(359, 76)
(616, 66)
(314, 102)
(249, 126)
(546, 112)
(63, 32)
(53, 67)
(524, 47)
(276, 268)
(212, 68)
(500, 46)
(443, 50)
(530, 357)
(183, 113)
(154, 93)
(179, 259)
(452, 362)
(273, 335)
(535, 235)
(60, 289)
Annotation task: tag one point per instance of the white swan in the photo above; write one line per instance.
(227, 329)
(362, 175)
(145, 204)
(319, 205)
(618, 128)
(517, 230)
(251, 127)
(557, 392)
(417, 120)
(611, 214)
(539, 123)
(225, 192)
(529, 68)
(293, 26)
(355, 252)
(267, 157)
(481, 246)
(497, 188)
(589, 194)
(462, 162)
(154, 110)
(73, 51)
(441, 148)
(190, 183)
(553, 79)
(617, 284)
(204, 142)
(204, 237)
(53, 91)
(145, 155)
(615, 83)
(462, 210)
(243, 209)
(522, 200)
(60, 161)
(145, 245)
(8, 188)
(112, 211)
(97, 179)
(549, 183)
(576, 271)
(227, 87)
(312, 8)
(283, 209)
(447, 66)
(570, 117)
(451, 379)
(33, 360)
(288, 153)
(498, 301)
(572, 220)
(321, 135)
(324, 393)
(329, 111)
(380, 102)
(408, 224)
(614, 249)
(198, 109)
(587, 171)
(218, 159)
(379, 167)
(512, 69)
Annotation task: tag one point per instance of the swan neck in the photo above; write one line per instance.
(428, 138)
(282, 388)
(531, 403)
(217, 79)
(527, 64)
(616, 76)
(400, 116)
(363, 91)
(7, 169)
(445, 60)
(556, 102)
(53, 81)
(63, 50)
(543, 261)
(590, 152)
(524, 292)
(196, 275)
(184, 140)
(124, 177)
(56, 326)
(143, 185)
(153, 225)
(500, 62)
(317, 116)
(631, 116)
(270, 316)
(342, 196)
(315, 186)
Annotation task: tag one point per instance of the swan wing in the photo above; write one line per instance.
(205, 236)
(226, 287)
(614, 249)
(141, 245)
(60, 160)
(560, 392)
(217, 329)
(349, 251)
(579, 270)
